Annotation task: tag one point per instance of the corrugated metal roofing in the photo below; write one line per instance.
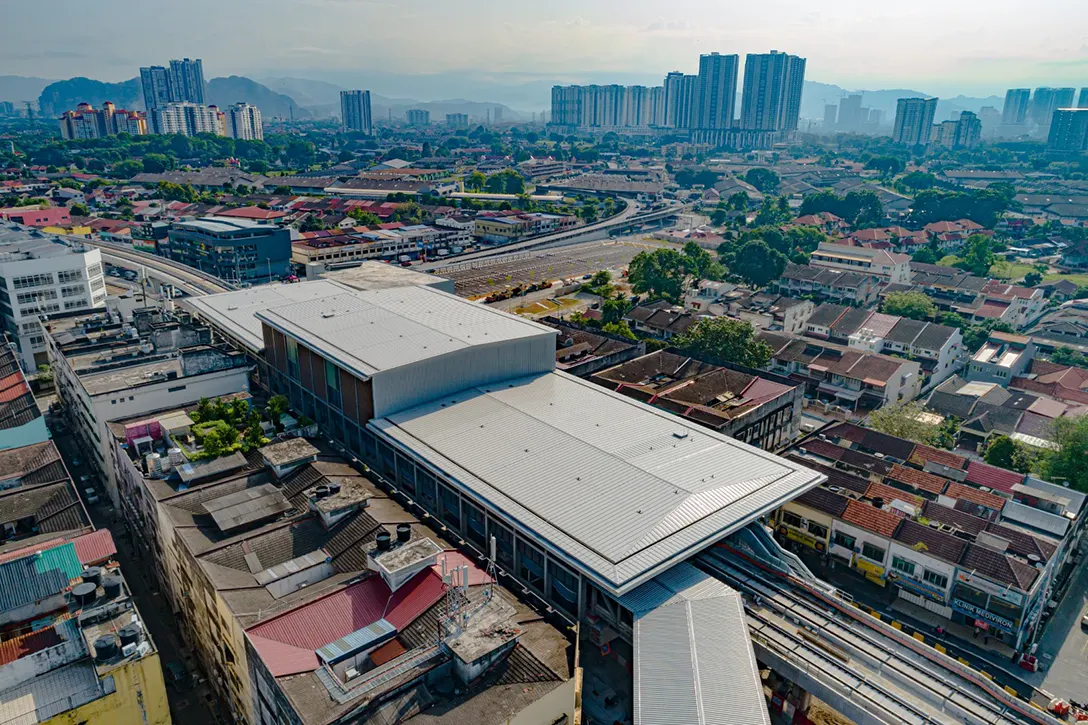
(372, 331)
(359, 639)
(288, 641)
(694, 663)
(94, 547)
(617, 487)
(34, 578)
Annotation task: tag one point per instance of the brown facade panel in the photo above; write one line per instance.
(305, 362)
(280, 349)
(318, 364)
(365, 398)
(347, 391)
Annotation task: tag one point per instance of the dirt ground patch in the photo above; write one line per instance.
(541, 307)
(821, 713)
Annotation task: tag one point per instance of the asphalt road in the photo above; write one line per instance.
(1064, 646)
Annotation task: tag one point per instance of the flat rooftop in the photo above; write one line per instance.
(615, 487)
(226, 225)
(236, 312)
(19, 243)
(371, 331)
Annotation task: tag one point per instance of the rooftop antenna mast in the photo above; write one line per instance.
(490, 591)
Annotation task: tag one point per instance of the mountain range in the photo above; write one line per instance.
(289, 96)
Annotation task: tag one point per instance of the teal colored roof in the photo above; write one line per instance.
(61, 557)
(37, 576)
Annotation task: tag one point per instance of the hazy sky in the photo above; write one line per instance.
(937, 46)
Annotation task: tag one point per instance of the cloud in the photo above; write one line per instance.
(311, 50)
(667, 26)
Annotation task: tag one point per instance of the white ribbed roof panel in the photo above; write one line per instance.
(619, 489)
(236, 312)
(694, 663)
(372, 331)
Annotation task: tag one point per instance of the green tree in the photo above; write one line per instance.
(213, 445)
(78, 209)
(282, 190)
(700, 264)
(364, 217)
(719, 217)
(975, 335)
(912, 304)
(725, 340)
(758, 264)
(1001, 451)
(157, 163)
(763, 179)
(904, 421)
(276, 407)
(1068, 462)
(978, 255)
(925, 255)
(127, 169)
(659, 274)
(886, 165)
(620, 329)
(1068, 356)
(506, 181)
(953, 319)
(738, 201)
(1032, 278)
(476, 181)
(613, 309)
(916, 181)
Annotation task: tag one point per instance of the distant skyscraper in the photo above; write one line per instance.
(496, 116)
(187, 81)
(1082, 99)
(850, 113)
(716, 91)
(457, 120)
(657, 106)
(1047, 100)
(771, 99)
(155, 82)
(1069, 130)
(1015, 111)
(914, 121)
(244, 122)
(831, 116)
(968, 131)
(679, 99)
(419, 117)
(355, 111)
(876, 116)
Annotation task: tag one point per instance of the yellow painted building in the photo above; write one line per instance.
(138, 697)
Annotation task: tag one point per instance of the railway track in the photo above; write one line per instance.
(908, 686)
(193, 281)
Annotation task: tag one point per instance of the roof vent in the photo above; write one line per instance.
(328, 313)
(681, 434)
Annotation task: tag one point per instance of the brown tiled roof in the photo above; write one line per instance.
(866, 462)
(820, 499)
(890, 493)
(835, 477)
(954, 517)
(923, 454)
(999, 567)
(935, 543)
(918, 479)
(1023, 543)
(975, 495)
(871, 519)
(823, 449)
(28, 644)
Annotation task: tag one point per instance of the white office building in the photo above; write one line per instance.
(188, 119)
(41, 274)
(244, 122)
(914, 121)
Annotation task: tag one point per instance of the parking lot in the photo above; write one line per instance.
(574, 261)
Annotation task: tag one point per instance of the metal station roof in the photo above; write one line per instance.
(618, 489)
(376, 330)
(694, 663)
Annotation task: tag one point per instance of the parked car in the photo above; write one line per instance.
(1084, 619)
(91, 495)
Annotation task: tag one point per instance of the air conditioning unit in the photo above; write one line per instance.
(351, 674)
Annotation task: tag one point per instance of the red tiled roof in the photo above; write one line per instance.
(870, 518)
(288, 641)
(252, 212)
(999, 479)
(890, 493)
(992, 308)
(28, 644)
(924, 454)
(454, 559)
(918, 479)
(974, 495)
(13, 386)
(94, 547)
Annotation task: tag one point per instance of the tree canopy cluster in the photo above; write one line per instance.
(861, 209)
